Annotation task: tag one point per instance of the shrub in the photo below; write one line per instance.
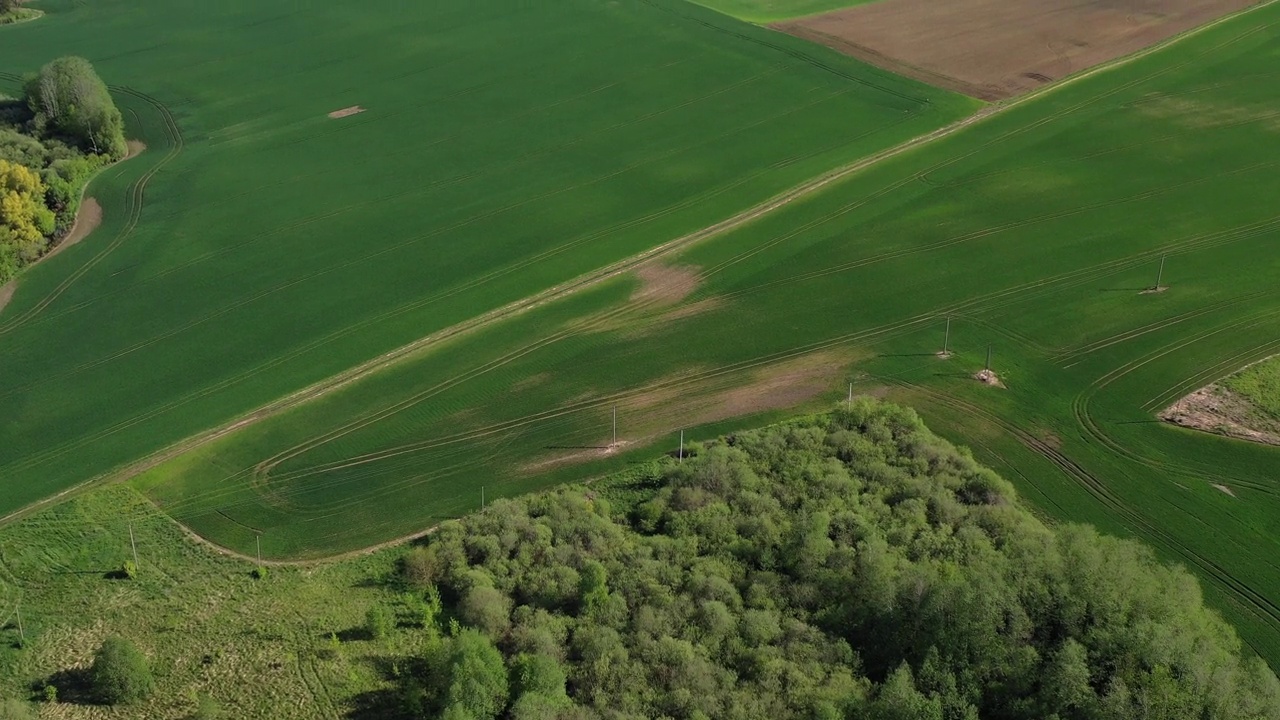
(379, 622)
(259, 573)
(120, 673)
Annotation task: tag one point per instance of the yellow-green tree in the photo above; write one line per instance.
(25, 221)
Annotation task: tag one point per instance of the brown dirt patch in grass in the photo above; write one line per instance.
(570, 457)
(701, 396)
(664, 284)
(87, 220)
(1224, 489)
(134, 149)
(987, 377)
(346, 112)
(994, 49)
(1220, 411)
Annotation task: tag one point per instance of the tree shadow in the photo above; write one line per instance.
(353, 634)
(385, 704)
(73, 687)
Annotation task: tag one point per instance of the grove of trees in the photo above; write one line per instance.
(851, 565)
(67, 98)
(64, 129)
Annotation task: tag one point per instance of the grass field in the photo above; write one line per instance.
(767, 11)
(1036, 231)
(261, 648)
(1260, 385)
(260, 245)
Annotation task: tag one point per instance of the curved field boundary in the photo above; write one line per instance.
(136, 196)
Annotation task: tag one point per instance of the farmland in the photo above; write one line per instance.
(766, 11)
(1037, 231)
(265, 241)
(994, 50)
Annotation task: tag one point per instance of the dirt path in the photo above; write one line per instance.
(87, 220)
(583, 282)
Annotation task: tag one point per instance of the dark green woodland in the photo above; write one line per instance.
(852, 565)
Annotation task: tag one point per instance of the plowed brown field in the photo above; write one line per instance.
(994, 49)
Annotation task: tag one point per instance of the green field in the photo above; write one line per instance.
(258, 246)
(1035, 230)
(1260, 385)
(767, 11)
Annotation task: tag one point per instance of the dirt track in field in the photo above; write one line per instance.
(996, 49)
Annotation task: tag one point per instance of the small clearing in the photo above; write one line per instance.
(87, 220)
(1219, 410)
(346, 112)
(134, 148)
(991, 49)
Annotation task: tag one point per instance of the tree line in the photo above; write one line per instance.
(52, 140)
(851, 565)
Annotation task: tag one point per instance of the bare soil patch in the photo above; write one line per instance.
(87, 220)
(987, 377)
(700, 396)
(664, 284)
(346, 112)
(134, 148)
(994, 49)
(1220, 411)
(1224, 489)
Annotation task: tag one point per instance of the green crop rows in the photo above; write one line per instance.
(259, 246)
(1035, 231)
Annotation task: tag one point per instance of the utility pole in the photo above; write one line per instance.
(481, 497)
(133, 544)
(850, 393)
(988, 358)
(22, 636)
(1160, 274)
(258, 538)
(680, 457)
(946, 339)
(615, 427)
